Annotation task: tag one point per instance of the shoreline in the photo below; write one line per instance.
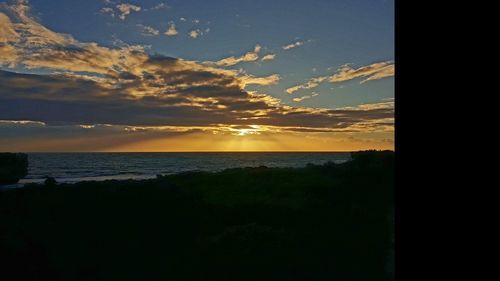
(42, 165)
(140, 177)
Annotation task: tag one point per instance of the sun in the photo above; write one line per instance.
(251, 130)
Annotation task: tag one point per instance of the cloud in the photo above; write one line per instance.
(293, 45)
(194, 33)
(386, 104)
(171, 31)
(8, 34)
(305, 97)
(268, 57)
(84, 84)
(312, 83)
(108, 10)
(185, 97)
(8, 37)
(383, 73)
(39, 47)
(247, 57)
(263, 81)
(125, 9)
(373, 71)
(148, 30)
(34, 34)
(9, 55)
(96, 137)
(160, 6)
(20, 123)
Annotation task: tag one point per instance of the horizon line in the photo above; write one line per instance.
(210, 151)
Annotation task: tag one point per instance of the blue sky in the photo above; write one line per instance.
(336, 39)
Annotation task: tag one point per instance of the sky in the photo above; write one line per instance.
(185, 75)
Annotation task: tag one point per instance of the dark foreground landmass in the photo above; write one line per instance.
(328, 222)
(13, 166)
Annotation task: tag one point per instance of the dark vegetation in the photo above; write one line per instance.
(13, 167)
(320, 222)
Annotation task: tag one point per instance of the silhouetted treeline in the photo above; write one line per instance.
(320, 222)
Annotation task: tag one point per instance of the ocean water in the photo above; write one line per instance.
(75, 167)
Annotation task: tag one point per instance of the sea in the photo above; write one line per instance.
(76, 167)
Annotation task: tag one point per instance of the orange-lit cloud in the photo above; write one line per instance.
(373, 71)
(125, 9)
(195, 33)
(305, 97)
(293, 45)
(383, 73)
(247, 57)
(171, 31)
(252, 80)
(268, 57)
(313, 83)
